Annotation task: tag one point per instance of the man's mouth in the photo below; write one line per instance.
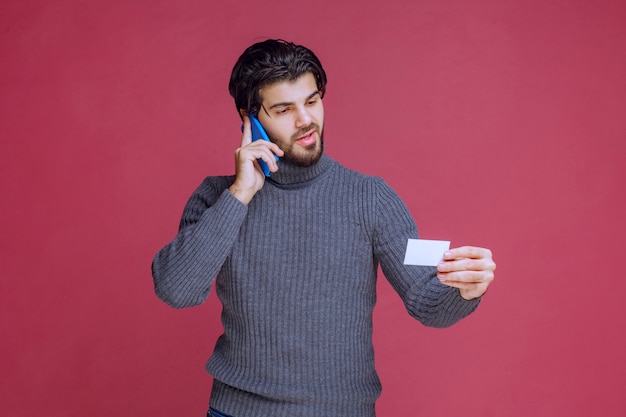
(307, 139)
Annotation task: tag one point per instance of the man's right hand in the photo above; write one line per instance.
(249, 177)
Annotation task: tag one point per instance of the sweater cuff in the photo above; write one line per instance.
(226, 214)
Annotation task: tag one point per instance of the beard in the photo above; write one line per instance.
(303, 156)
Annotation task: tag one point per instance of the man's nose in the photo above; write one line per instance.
(303, 118)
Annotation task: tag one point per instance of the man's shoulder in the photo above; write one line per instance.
(214, 185)
(359, 177)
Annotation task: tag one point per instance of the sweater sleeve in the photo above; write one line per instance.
(184, 270)
(425, 297)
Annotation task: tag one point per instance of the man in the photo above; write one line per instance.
(296, 256)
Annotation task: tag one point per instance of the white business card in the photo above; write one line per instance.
(425, 252)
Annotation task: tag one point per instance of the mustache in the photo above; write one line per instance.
(303, 130)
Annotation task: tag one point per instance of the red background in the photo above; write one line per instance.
(500, 123)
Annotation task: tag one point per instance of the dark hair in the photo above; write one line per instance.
(268, 62)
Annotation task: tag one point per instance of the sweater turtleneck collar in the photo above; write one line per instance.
(290, 175)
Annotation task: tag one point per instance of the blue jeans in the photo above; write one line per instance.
(214, 413)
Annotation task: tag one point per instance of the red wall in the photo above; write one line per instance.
(501, 123)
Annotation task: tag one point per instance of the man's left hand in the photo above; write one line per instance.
(468, 268)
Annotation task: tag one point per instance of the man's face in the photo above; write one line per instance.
(292, 114)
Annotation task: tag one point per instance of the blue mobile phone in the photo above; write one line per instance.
(259, 133)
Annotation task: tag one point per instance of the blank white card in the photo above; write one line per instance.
(425, 252)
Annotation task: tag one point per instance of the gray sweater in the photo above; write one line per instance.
(296, 274)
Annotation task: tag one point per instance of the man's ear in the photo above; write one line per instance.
(243, 113)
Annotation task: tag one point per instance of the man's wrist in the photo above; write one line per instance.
(242, 194)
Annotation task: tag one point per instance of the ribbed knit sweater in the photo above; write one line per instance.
(296, 275)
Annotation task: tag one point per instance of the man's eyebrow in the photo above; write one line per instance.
(288, 103)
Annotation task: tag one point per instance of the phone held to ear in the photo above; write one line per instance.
(259, 133)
